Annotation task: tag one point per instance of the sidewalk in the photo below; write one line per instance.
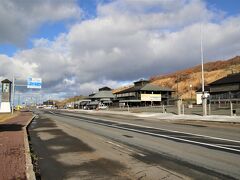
(168, 116)
(13, 150)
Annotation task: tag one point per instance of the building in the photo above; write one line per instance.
(49, 103)
(226, 89)
(144, 94)
(6, 96)
(81, 104)
(103, 96)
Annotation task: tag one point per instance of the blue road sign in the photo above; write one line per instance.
(34, 83)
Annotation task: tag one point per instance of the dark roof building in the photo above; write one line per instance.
(105, 89)
(230, 79)
(6, 81)
(49, 102)
(104, 95)
(206, 89)
(144, 93)
(226, 88)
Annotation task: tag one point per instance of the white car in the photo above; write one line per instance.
(102, 106)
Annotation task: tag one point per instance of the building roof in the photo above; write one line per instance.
(6, 81)
(146, 87)
(83, 103)
(105, 88)
(141, 82)
(206, 89)
(92, 94)
(103, 94)
(232, 78)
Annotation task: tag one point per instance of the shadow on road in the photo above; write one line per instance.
(10, 127)
(53, 147)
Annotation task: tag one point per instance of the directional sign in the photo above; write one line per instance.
(35, 83)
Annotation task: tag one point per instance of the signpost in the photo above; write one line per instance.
(34, 83)
(8, 91)
(6, 96)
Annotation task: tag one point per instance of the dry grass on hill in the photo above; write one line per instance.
(68, 100)
(121, 89)
(213, 72)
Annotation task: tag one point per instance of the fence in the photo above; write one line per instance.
(222, 108)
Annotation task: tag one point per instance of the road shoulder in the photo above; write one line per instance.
(14, 154)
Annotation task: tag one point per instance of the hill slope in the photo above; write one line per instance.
(212, 72)
(68, 100)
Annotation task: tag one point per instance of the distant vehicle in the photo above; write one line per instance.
(102, 107)
(18, 108)
(39, 107)
(49, 107)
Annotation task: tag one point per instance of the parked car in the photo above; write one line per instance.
(102, 106)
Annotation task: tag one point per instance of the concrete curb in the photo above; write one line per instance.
(30, 174)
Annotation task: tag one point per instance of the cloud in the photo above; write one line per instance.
(125, 42)
(18, 19)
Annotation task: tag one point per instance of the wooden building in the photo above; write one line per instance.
(104, 96)
(144, 94)
(226, 88)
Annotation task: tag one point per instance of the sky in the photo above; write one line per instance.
(78, 46)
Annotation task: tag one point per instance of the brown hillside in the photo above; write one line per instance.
(213, 71)
(68, 100)
(121, 89)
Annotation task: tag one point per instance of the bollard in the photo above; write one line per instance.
(209, 109)
(179, 103)
(183, 110)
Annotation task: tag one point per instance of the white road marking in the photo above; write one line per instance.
(199, 135)
(115, 144)
(228, 145)
(166, 136)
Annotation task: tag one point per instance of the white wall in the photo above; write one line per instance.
(199, 97)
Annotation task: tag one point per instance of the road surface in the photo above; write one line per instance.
(89, 146)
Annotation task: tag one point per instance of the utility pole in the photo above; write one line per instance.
(179, 101)
(190, 92)
(204, 99)
(13, 92)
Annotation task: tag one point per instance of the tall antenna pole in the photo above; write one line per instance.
(204, 100)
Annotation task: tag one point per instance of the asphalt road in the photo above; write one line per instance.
(180, 150)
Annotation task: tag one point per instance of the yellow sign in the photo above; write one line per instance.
(151, 97)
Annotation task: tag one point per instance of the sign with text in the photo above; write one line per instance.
(35, 83)
(151, 97)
